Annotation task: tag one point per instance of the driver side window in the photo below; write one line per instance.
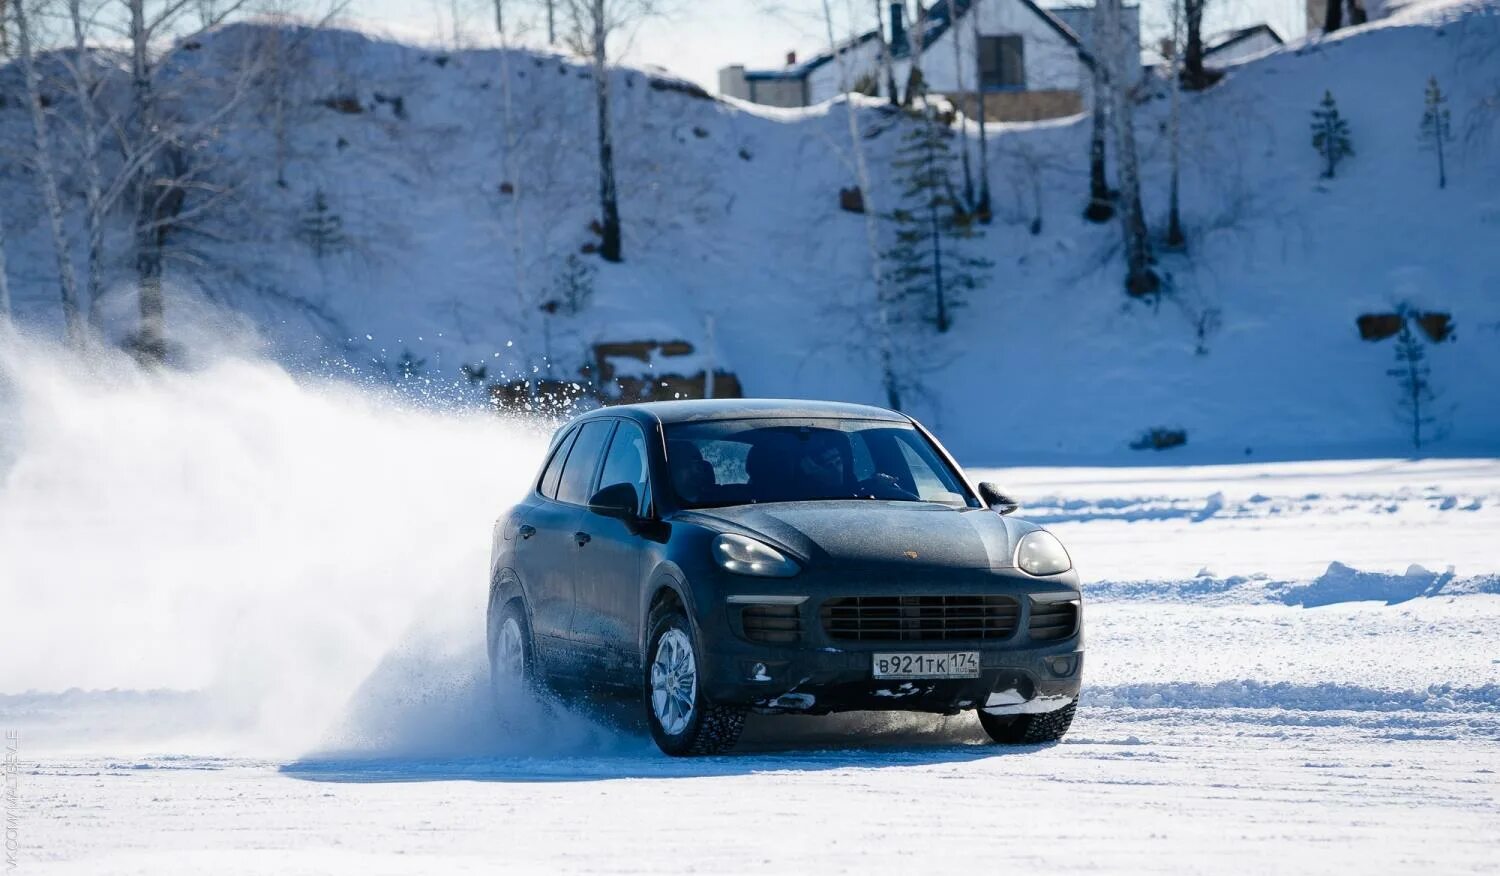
(626, 463)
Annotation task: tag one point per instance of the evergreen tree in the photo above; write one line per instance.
(931, 269)
(322, 228)
(1330, 135)
(573, 286)
(1436, 128)
(1411, 375)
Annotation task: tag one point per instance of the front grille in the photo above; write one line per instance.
(920, 618)
(772, 623)
(1052, 620)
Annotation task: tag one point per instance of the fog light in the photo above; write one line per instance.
(758, 673)
(1063, 666)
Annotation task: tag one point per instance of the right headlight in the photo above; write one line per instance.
(1040, 553)
(746, 556)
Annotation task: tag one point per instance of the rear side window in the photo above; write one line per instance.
(583, 460)
(553, 471)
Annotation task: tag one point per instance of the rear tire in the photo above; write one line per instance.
(512, 658)
(1029, 729)
(683, 722)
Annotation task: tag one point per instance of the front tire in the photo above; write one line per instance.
(683, 722)
(1029, 729)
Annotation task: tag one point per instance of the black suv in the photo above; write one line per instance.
(719, 556)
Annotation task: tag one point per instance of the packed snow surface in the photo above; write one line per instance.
(243, 635)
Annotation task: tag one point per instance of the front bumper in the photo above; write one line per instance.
(820, 674)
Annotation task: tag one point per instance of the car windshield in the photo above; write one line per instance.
(741, 462)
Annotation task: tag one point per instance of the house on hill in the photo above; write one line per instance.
(1226, 48)
(1017, 60)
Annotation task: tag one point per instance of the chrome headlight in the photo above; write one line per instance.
(1040, 553)
(746, 556)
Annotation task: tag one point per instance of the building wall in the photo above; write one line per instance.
(778, 92)
(1020, 106)
(732, 82)
(1051, 62)
(823, 81)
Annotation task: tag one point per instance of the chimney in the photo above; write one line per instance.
(898, 29)
(791, 59)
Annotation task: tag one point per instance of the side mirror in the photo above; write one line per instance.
(998, 501)
(616, 500)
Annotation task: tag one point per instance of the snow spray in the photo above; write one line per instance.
(250, 561)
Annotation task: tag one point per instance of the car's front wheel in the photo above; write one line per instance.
(1029, 729)
(683, 721)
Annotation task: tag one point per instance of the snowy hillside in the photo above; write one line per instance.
(416, 219)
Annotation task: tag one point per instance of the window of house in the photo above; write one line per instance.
(1002, 62)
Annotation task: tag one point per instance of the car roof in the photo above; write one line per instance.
(697, 410)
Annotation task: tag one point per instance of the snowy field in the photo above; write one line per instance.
(1291, 667)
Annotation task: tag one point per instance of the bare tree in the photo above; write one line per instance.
(1194, 74)
(1140, 279)
(1101, 207)
(884, 341)
(887, 64)
(982, 207)
(86, 93)
(1175, 238)
(5, 306)
(958, 68)
(510, 142)
(42, 159)
(159, 168)
(593, 22)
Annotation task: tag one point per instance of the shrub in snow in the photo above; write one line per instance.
(1436, 128)
(1160, 438)
(1330, 135)
(322, 228)
(571, 288)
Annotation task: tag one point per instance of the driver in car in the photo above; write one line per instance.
(822, 465)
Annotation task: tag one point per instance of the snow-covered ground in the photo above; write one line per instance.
(1283, 671)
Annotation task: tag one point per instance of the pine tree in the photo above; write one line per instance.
(322, 228)
(573, 286)
(931, 269)
(1330, 135)
(1436, 128)
(1412, 377)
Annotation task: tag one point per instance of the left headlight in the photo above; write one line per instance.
(746, 556)
(1040, 553)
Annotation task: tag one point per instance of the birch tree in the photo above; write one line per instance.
(982, 207)
(5, 306)
(1140, 279)
(46, 173)
(958, 69)
(887, 63)
(82, 71)
(884, 340)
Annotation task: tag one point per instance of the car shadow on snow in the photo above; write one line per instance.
(606, 740)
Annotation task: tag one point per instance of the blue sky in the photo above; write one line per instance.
(698, 37)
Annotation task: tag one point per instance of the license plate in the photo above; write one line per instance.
(948, 664)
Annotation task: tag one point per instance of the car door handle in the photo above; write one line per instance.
(527, 530)
(582, 538)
